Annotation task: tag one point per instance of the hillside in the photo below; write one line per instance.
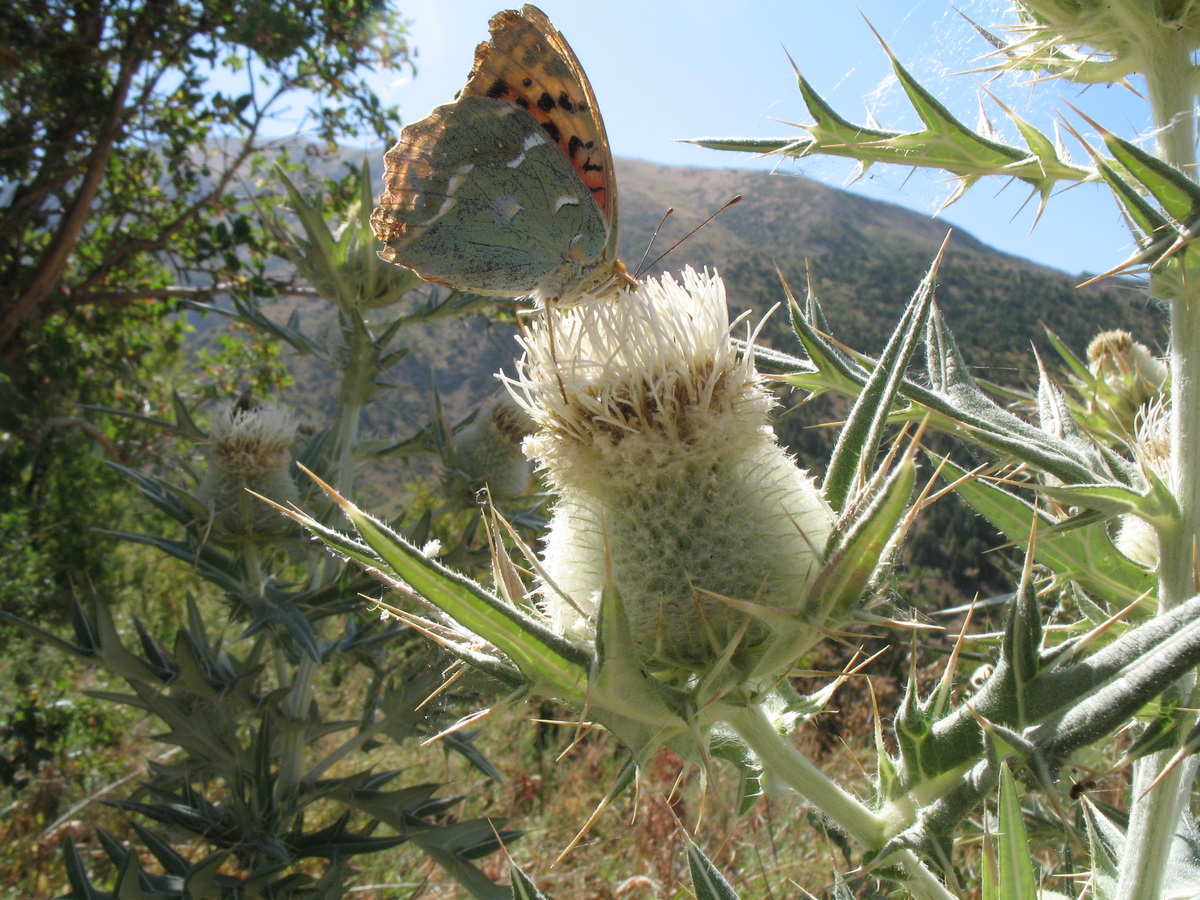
(866, 258)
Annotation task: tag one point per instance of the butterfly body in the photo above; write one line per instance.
(508, 191)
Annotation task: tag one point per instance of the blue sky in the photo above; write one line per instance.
(669, 69)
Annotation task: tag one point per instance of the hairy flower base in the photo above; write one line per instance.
(672, 487)
(487, 453)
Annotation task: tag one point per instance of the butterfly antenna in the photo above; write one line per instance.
(641, 269)
(653, 238)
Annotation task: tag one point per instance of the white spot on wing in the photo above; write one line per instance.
(516, 160)
(534, 140)
(565, 201)
(507, 207)
(456, 181)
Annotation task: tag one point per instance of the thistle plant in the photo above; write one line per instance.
(1097, 43)
(278, 684)
(685, 576)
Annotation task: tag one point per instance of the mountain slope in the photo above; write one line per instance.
(866, 258)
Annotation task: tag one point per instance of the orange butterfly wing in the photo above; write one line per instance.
(529, 63)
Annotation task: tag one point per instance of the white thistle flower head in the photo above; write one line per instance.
(1113, 353)
(1136, 538)
(251, 437)
(249, 449)
(672, 489)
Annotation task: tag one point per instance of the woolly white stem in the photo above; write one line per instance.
(1155, 814)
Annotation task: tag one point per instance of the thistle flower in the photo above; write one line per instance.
(1127, 376)
(249, 442)
(487, 452)
(672, 487)
(1136, 538)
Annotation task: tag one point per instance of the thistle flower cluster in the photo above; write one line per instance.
(1128, 376)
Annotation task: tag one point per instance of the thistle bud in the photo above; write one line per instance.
(487, 452)
(1127, 376)
(672, 488)
(249, 442)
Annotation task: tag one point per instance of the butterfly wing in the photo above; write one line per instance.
(479, 198)
(529, 62)
(509, 190)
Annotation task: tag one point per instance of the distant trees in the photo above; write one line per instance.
(127, 128)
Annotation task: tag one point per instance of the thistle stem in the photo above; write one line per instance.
(781, 760)
(1155, 813)
(294, 732)
(784, 762)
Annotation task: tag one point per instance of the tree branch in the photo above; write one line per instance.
(54, 258)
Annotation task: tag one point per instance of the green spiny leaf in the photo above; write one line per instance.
(707, 880)
(1017, 881)
(1084, 554)
(863, 432)
(522, 887)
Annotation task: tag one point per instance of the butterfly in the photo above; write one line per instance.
(509, 191)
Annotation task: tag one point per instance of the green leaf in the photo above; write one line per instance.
(1079, 703)
(1106, 843)
(945, 143)
(77, 876)
(641, 711)
(1016, 881)
(546, 659)
(1083, 553)
(856, 551)
(542, 656)
(1022, 642)
(757, 146)
(707, 880)
(1110, 499)
(860, 438)
(1176, 193)
(522, 887)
